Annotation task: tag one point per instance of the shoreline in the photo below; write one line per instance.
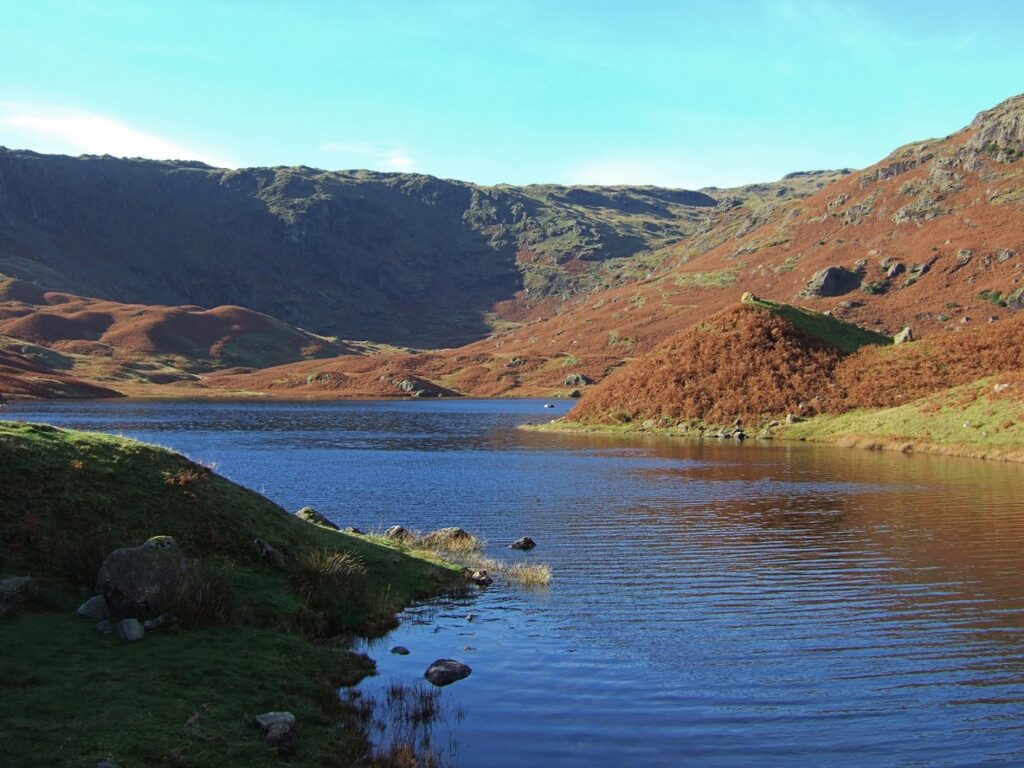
(906, 445)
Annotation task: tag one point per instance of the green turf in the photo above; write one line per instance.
(69, 696)
(831, 330)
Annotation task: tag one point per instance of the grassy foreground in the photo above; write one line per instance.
(263, 638)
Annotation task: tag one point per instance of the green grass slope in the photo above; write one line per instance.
(70, 697)
(826, 328)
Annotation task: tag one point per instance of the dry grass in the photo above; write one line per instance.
(449, 541)
(323, 576)
(529, 575)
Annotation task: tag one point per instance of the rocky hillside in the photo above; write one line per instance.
(400, 258)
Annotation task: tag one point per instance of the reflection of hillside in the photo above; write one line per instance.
(848, 514)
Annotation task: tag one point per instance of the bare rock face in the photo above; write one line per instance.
(832, 281)
(137, 581)
(447, 671)
(999, 132)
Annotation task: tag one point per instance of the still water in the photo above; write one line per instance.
(712, 604)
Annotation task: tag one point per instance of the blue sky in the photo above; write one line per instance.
(683, 94)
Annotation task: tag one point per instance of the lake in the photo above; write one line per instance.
(713, 604)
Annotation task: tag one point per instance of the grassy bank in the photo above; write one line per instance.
(263, 636)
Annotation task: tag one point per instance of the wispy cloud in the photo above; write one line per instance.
(55, 128)
(390, 157)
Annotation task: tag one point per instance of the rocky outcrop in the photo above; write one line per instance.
(310, 515)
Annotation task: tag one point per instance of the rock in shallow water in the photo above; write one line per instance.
(400, 650)
(447, 671)
(523, 543)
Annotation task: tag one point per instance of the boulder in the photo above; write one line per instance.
(575, 394)
(280, 731)
(903, 336)
(481, 578)
(94, 609)
(832, 281)
(135, 581)
(400, 650)
(130, 630)
(398, 533)
(353, 529)
(105, 627)
(268, 554)
(447, 671)
(895, 270)
(310, 515)
(577, 380)
(524, 542)
(15, 590)
(1016, 299)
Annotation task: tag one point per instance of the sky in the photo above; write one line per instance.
(682, 94)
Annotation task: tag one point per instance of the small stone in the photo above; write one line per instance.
(352, 529)
(400, 650)
(162, 622)
(524, 542)
(105, 627)
(1000, 388)
(95, 609)
(481, 578)
(130, 630)
(447, 671)
(470, 617)
(792, 418)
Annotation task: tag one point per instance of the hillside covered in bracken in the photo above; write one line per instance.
(177, 278)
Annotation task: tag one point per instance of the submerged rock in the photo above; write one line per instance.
(447, 671)
(400, 650)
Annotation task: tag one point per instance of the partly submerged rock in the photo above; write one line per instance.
(524, 542)
(400, 650)
(310, 515)
(447, 671)
(481, 578)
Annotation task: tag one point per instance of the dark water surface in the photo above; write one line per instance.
(713, 604)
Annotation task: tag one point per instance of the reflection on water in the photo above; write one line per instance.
(713, 604)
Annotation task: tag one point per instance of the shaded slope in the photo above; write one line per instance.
(402, 258)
